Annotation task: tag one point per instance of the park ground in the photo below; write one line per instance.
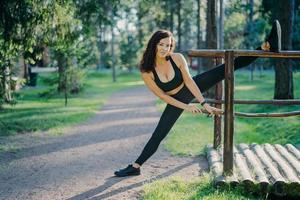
(54, 152)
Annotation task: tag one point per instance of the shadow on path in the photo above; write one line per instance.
(114, 180)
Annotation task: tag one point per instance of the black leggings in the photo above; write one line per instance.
(171, 113)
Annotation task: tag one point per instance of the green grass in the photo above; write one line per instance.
(266, 130)
(199, 188)
(192, 133)
(34, 113)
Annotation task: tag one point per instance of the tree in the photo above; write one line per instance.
(221, 24)
(178, 5)
(249, 31)
(65, 35)
(19, 25)
(284, 87)
(199, 40)
(211, 35)
(284, 12)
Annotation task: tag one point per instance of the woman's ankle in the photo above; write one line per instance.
(265, 46)
(135, 165)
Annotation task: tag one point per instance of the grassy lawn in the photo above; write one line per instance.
(193, 132)
(35, 113)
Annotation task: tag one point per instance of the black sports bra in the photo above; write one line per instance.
(172, 84)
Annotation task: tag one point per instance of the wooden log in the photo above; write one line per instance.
(293, 150)
(264, 158)
(257, 53)
(283, 166)
(289, 158)
(255, 165)
(259, 102)
(293, 188)
(284, 114)
(267, 54)
(256, 115)
(275, 177)
(243, 171)
(206, 53)
(215, 163)
(232, 180)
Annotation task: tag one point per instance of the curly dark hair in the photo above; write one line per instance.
(147, 63)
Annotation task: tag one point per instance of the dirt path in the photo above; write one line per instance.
(80, 164)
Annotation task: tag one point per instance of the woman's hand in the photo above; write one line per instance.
(212, 110)
(193, 108)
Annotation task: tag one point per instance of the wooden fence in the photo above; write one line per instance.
(229, 56)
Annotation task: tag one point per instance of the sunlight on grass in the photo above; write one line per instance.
(133, 83)
(197, 188)
(245, 87)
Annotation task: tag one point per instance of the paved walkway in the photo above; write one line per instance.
(80, 164)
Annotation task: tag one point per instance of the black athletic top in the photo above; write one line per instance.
(172, 84)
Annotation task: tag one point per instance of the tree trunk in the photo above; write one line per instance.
(179, 25)
(46, 56)
(113, 54)
(2, 86)
(7, 87)
(221, 25)
(140, 15)
(283, 69)
(211, 36)
(249, 28)
(171, 7)
(211, 26)
(24, 70)
(101, 46)
(198, 33)
(62, 67)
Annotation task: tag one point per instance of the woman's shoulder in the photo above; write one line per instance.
(147, 74)
(177, 57)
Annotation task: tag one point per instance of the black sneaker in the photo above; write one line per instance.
(274, 37)
(128, 171)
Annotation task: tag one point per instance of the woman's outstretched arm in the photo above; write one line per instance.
(192, 86)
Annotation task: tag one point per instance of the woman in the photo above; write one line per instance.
(166, 74)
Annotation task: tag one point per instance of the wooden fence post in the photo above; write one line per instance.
(228, 118)
(218, 119)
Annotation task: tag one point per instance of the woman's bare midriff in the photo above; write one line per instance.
(174, 91)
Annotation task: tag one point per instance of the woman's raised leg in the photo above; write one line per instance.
(211, 77)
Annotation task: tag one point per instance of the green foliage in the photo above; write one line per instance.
(239, 32)
(19, 26)
(75, 79)
(129, 47)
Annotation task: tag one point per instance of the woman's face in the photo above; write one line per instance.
(163, 47)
